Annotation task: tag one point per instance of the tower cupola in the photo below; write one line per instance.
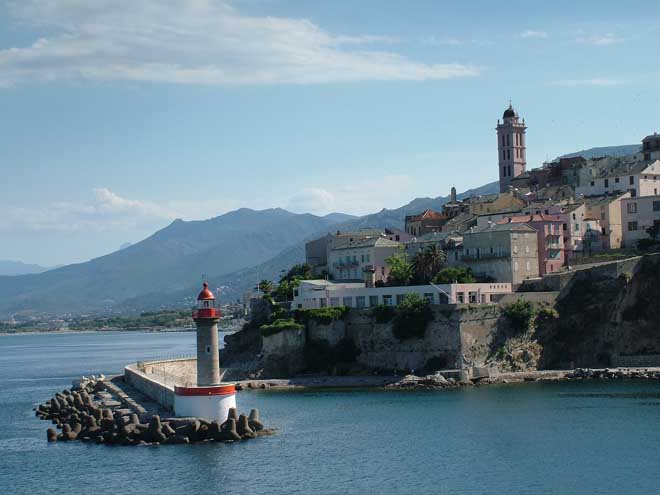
(206, 304)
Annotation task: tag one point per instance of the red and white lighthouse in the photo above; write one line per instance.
(209, 398)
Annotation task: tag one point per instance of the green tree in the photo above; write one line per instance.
(427, 263)
(401, 271)
(453, 274)
(291, 280)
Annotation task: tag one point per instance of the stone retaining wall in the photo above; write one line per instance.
(649, 361)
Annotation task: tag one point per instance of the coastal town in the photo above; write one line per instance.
(543, 221)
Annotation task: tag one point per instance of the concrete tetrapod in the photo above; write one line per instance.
(254, 421)
(244, 429)
(228, 432)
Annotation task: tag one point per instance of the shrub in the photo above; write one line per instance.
(520, 314)
(383, 313)
(279, 325)
(412, 318)
(452, 274)
(322, 316)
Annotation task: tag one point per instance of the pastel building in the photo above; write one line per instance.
(325, 293)
(425, 222)
(511, 147)
(550, 234)
(651, 147)
(607, 210)
(502, 252)
(638, 215)
(637, 178)
(348, 261)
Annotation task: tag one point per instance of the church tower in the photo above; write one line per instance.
(510, 147)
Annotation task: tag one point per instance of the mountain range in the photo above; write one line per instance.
(11, 267)
(233, 251)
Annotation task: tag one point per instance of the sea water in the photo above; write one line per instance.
(564, 438)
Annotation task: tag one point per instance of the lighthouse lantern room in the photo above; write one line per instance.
(208, 398)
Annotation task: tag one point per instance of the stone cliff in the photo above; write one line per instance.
(585, 318)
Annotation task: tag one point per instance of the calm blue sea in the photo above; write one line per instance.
(555, 438)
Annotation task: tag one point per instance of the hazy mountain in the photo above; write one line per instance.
(10, 267)
(338, 217)
(624, 149)
(171, 259)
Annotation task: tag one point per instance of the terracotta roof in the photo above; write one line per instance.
(427, 214)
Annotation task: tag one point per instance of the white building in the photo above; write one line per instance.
(638, 178)
(637, 215)
(348, 261)
(324, 293)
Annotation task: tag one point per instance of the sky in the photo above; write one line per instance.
(117, 117)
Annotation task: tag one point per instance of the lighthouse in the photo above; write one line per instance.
(208, 398)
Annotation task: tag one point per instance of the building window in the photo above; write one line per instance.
(360, 302)
(656, 206)
(515, 266)
(430, 297)
(577, 227)
(616, 180)
(348, 302)
(633, 193)
(607, 183)
(373, 300)
(632, 180)
(632, 208)
(460, 297)
(528, 266)
(334, 301)
(387, 299)
(400, 298)
(632, 226)
(592, 183)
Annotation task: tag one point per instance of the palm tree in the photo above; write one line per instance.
(265, 286)
(428, 262)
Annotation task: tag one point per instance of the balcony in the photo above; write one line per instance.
(485, 256)
(344, 265)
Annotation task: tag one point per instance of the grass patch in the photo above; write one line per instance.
(322, 316)
(279, 325)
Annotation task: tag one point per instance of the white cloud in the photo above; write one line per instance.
(314, 200)
(362, 196)
(597, 81)
(105, 211)
(438, 41)
(600, 39)
(202, 42)
(534, 34)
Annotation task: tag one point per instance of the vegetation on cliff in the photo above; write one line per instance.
(412, 317)
(322, 316)
(452, 274)
(279, 325)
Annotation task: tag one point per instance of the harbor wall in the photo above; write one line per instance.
(153, 386)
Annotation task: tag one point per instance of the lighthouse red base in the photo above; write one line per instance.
(212, 402)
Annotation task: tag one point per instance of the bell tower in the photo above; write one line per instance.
(511, 147)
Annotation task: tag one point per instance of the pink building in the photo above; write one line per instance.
(550, 239)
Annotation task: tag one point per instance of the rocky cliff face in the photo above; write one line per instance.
(604, 312)
(601, 313)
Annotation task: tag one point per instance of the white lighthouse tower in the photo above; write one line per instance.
(208, 398)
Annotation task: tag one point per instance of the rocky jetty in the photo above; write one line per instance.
(83, 413)
(614, 374)
(428, 382)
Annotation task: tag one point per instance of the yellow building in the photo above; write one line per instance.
(494, 203)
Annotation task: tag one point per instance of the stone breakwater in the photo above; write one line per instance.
(615, 373)
(89, 412)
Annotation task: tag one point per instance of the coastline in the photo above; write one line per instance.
(77, 332)
(439, 382)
